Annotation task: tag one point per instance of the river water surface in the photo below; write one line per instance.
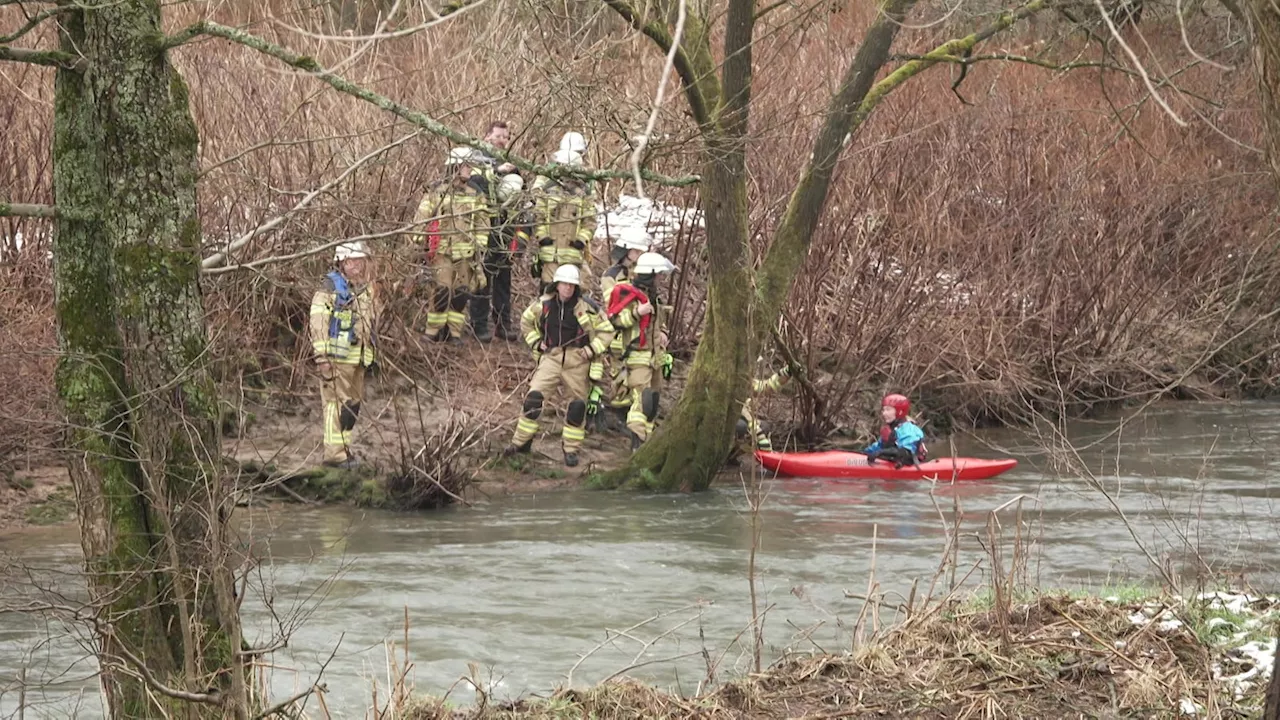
(515, 591)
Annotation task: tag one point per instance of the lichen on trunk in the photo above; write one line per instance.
(133, 374)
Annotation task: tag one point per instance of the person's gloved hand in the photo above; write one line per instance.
(593, 400)
(535, 270)
(667, 363)
(871, 459)
(577, 245)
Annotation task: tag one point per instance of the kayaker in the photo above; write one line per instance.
(901, 441)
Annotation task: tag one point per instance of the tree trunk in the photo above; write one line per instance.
(1264, 16)
(134, 376)
(691, 447)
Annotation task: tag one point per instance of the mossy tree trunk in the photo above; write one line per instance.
(742, 305)
(134, 376)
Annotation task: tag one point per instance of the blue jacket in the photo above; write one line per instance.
(907, 435)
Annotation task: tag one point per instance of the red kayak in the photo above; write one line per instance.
(842, 464)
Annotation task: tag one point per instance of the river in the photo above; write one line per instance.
(523, 586)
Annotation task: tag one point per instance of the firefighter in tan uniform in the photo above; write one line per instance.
(630, 245)
(343, 316)
(566, 218)
(457, 218)
(636, 311)
(749, 431)
(568, 335)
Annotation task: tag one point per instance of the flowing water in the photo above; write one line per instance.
(514, 592)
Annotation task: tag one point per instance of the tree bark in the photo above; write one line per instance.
(134, 376)
(1264, 17)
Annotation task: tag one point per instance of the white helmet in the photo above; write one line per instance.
(460, 156)
(567, 274)
(567, 157)
(509, 186)
(349, 250)
(634, 239)
(573, 142)
(652, 263)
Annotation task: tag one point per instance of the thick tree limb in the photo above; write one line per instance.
(951, 48)
(309, 64)
(791, 243)
(690, 77)
(27, 210)
(739, 31)
(51, 58)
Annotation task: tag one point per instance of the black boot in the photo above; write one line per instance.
(636, 442)
(571, 459)
(510, 450)
(479, 307)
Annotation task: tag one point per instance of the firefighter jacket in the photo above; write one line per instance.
(457, 218)
(566, 222)
(575, 323)
(343, 322)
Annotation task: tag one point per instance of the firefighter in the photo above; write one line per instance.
(636, 310)
(630, 245)
(508, 235)
(343, 317)
(566, 217)
(749, 429)
(567, 334)
(457, 217)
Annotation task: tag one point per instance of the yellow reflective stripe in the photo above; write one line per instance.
(598, 347)
(525, 429)
(527, 425)
(437, 319)
(640, 357)
(532, 339)
(547, 253)
(572, 433)
(320, 346)
(596, 372)
(569, 256)
(625, 318)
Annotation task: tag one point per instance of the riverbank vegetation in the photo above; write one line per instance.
(1049, 655)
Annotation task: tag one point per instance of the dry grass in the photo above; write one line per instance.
(1065, 658)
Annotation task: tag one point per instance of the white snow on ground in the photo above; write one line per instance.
(661, 220)
(1248, 663)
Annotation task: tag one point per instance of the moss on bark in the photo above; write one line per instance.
(134, 377)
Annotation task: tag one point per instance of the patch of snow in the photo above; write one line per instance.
(1111, 599)
(1189, 707)
(661, 220)
(1169, 625)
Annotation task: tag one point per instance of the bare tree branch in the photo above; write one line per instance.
(643, 142)
(27, 210)
(141, 669)
(309, 65)
(699, 103)
(51, 58)
(220, 258)
(307, 253)
(32, 23)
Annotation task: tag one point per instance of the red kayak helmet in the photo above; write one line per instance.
(900, 403)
